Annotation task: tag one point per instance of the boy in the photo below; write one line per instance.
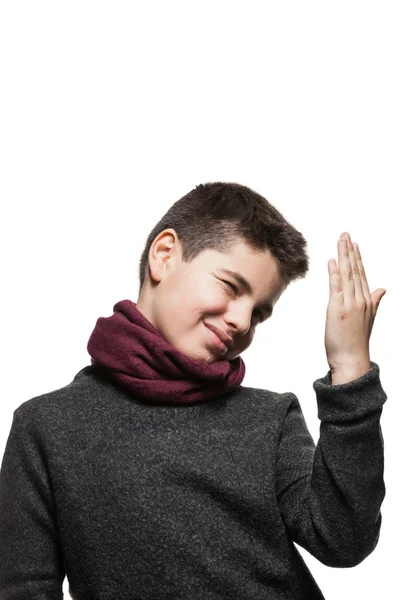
(155, 474)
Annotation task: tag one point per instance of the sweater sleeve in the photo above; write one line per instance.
(31, 563)
(330, 494)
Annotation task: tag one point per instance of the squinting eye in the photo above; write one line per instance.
(258, 312)
(231, 285)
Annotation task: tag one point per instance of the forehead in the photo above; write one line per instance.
(241, 258)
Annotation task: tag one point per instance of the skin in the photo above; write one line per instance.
(179, 298)
(350, 314)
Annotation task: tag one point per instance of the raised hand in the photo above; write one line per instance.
(350, 314)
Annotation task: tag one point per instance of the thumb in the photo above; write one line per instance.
(376, 297)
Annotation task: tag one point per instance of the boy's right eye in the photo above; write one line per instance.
(231, 285)
(260, 315)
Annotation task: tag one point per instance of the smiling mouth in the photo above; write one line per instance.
(218, 343)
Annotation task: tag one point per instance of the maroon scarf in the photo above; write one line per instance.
(138, 357)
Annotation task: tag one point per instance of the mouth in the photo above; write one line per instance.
(217, 340)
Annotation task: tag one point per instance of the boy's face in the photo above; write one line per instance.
(181, 299)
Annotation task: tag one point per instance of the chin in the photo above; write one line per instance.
(209, 360)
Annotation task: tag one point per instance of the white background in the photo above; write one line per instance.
(111, 111)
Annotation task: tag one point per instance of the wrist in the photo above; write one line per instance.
(346, 373)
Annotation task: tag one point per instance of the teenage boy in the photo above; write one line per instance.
(155, 473)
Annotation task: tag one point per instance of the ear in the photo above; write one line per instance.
(160, 252)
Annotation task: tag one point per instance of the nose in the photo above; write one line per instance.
(240, 321)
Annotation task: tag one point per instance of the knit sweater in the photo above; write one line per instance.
(138, 501)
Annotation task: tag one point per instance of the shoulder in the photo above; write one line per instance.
(54, 406)
(265, 400)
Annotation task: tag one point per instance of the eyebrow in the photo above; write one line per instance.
(246, 286)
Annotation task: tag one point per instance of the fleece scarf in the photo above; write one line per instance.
(142, 361)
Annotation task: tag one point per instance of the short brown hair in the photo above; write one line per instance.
(215, 215)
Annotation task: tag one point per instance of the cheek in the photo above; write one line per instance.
(213, 298)
(194, 300)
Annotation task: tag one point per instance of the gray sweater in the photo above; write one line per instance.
(137, 501)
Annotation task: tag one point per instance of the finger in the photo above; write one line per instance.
(335, 280)
(363, 276)
(358, 289)
(346, 272)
